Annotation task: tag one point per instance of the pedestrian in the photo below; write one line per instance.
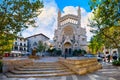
(114, 56)
(65, 56)
(103, 58)
(108, 58)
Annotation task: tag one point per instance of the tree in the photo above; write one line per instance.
(96, 44)
(17, 15)
(6, 43)
(57, 52)
(107, 12)
(78, 52)
(112, 36)
(106, 18)
(83, 52)
(41, 47)
(51, 50)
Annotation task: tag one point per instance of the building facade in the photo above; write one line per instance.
(34, 40)
(69, 35)
(19, 46)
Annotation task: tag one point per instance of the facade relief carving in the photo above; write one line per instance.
(69, 32)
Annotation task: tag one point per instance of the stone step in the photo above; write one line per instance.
(45, 64)
(85, 65)
(11, 75)
(39, 72)
(43, 69)
(42, 66)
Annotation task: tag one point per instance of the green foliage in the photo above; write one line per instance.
(111, 37)
(54, 52)
(116, 63)
(106, 12)
(75, 53)
(106, 21)
(17, 15)
(51, 50)
(119, 58)
(41, 47)
(6, 43)
(96, 44)
(78, 52)
(58, 52)
(83, 52)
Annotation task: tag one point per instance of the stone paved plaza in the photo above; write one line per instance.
(108, 72)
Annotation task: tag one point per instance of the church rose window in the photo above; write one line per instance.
(68, 30)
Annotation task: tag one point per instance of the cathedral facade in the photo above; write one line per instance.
(69, 35)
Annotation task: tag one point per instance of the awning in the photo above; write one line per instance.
(16, 52)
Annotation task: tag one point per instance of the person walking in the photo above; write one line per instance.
(65, 54)
(114, 56)
(108, 58)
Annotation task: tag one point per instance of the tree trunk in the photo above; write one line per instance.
(1, 65)
(119, 52)
(1, 56)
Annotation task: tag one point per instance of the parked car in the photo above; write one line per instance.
(99, 59)
(93, 56)
(89, 55)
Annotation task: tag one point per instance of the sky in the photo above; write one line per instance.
(47, 20)
(82, 3)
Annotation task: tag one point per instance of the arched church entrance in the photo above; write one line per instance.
(68, 48)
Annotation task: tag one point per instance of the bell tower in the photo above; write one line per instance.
(79, 16)
(58, 18)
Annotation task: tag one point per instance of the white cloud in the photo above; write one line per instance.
(85, 16)
(47, 20)
(69, 10)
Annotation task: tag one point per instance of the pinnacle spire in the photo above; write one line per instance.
(59, 13)
(79, 11)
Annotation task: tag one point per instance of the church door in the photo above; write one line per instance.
(67, 48)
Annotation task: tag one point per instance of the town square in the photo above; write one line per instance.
(59, 40)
